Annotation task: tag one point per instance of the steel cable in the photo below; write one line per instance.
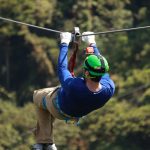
(30, 25)
(118, 30)
(56, 31)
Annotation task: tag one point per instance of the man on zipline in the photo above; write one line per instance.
(76, 97)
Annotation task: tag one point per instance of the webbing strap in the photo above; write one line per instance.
(75, 42)
(44, 103)
(72, 60)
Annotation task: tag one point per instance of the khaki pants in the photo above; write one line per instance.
(46, 117)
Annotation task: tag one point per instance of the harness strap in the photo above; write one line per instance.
(75, 41)
(72, 60)
(44, 103)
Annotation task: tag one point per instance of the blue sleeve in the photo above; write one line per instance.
(64, 75)
(96, 51)
(108, 83)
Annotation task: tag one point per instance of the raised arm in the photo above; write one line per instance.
(63, 71)
(90, 40)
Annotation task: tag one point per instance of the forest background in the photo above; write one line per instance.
(28, 61)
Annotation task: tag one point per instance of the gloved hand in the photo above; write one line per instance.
(65, 37)
(90, 39)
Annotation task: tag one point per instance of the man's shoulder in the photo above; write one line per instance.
(107, 82)
(106, 79)
(77, 82)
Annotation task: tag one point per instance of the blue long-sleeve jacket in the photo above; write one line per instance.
(74, 97)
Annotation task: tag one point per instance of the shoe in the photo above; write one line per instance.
(51, 147)
(37, 146)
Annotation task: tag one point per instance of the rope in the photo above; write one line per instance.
(115, 31)
(30, 25)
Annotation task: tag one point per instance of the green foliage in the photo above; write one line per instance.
(16, 126)
(8, 136)
(28, 61)
(5, 95)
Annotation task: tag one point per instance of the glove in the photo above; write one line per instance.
(65, 37)
(90, 39)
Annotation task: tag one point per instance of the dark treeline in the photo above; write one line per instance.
(28, 61)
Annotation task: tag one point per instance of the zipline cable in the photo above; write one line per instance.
(56, 31)
(115, 31)
(30, 25)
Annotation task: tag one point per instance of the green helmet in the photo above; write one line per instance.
(96, 65)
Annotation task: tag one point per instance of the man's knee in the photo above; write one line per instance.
(37, 98)
(34, 95)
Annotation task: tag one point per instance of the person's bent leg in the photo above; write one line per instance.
(44, 129)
